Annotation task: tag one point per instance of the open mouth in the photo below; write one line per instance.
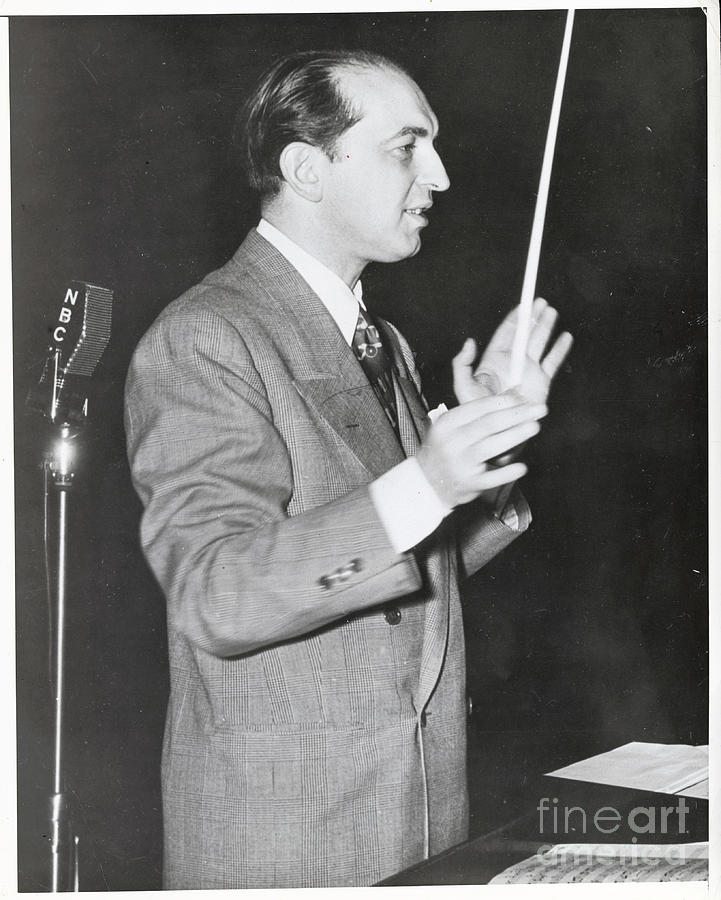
(416, 213)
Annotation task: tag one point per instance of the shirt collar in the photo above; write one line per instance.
(340, 301)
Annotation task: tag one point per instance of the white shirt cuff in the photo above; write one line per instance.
(407, 505)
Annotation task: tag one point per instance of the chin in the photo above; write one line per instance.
(395, 251)
(410, 248)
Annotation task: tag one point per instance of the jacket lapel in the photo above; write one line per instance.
(412, 414)
(324, 369)
(354, 414)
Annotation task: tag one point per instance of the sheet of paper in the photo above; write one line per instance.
(665, 768)
(671, 852)
(699, 790)
(588, 863)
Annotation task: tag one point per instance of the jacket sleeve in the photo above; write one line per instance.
(215, 478)
(482, 535)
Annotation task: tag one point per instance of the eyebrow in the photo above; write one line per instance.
(415, 130)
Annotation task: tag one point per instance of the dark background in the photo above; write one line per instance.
(590, 631)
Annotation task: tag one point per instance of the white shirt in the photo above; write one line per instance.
(406, 503)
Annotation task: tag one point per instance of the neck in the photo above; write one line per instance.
(303, 228)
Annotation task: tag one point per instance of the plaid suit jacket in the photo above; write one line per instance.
(309, 741)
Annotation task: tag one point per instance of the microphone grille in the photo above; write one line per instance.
(95, 330)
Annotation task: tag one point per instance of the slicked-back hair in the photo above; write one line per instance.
(299, 98)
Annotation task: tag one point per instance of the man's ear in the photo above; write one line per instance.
(302, 167)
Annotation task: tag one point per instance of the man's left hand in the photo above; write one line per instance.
(493, 373)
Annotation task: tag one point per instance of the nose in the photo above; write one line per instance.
(435, 175)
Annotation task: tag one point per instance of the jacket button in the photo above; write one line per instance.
(424, 719)
(392, 615)
(469, 706)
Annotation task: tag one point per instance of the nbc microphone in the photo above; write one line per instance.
(78, 340)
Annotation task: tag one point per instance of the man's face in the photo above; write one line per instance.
(385, 168)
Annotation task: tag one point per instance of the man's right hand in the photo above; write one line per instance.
(457, 449)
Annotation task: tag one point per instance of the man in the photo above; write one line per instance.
(298, 507)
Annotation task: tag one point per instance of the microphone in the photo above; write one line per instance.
(78, 340)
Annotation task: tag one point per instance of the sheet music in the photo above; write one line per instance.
(588, 863)
(665, 768)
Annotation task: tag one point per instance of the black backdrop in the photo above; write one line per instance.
(591, 630)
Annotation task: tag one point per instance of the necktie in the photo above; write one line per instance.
(370, 353)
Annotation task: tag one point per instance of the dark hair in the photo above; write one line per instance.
(299, 99)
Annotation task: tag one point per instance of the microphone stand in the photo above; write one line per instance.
(80, 336)
(64, 843)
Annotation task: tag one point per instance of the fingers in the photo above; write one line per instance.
(543, 322)
(503, 335)
(495, 412)
(493, 446)
(495, 477)
(495, 426)
(545, 318)
(462, 364)
(505, 458)
(456, 450)
(464, 358)
(556, 356)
